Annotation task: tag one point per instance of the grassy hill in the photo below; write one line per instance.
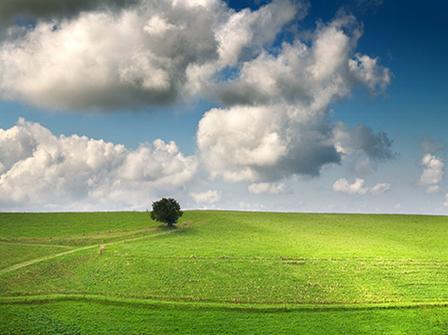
(234, 272)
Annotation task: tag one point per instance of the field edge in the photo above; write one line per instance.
(111, 300)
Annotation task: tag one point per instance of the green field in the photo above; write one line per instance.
(223, 272)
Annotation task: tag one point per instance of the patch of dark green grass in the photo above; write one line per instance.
(76, 318)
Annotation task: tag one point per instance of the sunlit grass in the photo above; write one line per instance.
(236, 258)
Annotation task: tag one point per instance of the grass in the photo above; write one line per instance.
(12, 253)
(76, 318)
(221, 258)
(73, 228)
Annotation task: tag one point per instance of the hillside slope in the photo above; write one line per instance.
(223, 263)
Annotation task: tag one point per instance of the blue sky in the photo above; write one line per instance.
(408, 38)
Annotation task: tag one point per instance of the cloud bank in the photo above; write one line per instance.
(151, 53)
(276, 124)
(43, 171)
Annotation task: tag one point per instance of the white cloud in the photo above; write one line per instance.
(278, 123)
(445, 203)
(150, 53)
(433, 171)
(41, 170)
(358, 187)
(257, 143)
(368, 71)
(310, 74)
(253, 29)
(380, 188)
(267, 188)
(208, 197)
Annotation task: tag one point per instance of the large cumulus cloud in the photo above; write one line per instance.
(278, 124)
(147, 54)
(41, 170)
(255, 143)
(308, 75)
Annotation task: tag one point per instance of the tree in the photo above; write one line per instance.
(166, 211)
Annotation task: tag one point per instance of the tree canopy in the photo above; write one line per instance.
(166, 210)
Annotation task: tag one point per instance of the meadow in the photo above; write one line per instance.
(223, 272)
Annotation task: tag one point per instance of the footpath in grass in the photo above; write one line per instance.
(68, 251)
(12, 253)
(73, 228)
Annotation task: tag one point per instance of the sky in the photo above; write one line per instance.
(283, 105)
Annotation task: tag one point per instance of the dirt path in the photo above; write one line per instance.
(68, 252)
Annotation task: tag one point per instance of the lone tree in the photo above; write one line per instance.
(166, 211)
